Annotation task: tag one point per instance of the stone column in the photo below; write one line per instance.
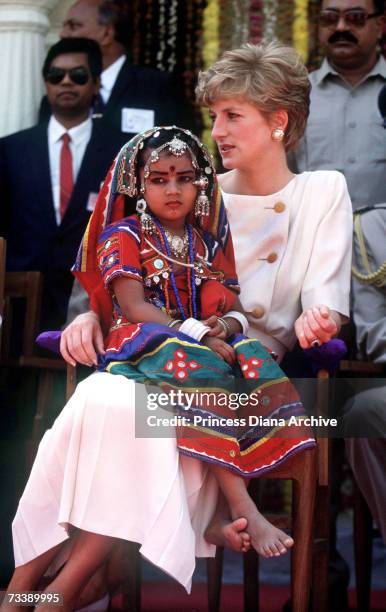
(23, 28)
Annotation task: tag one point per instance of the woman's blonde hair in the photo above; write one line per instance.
(272, 76)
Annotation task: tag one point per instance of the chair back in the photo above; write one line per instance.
(26, 287)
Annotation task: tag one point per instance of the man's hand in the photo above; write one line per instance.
(221, 348)
(82, 340)
(318, 323)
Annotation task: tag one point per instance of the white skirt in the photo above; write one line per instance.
(92, 472)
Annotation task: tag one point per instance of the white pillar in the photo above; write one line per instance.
(23, 28)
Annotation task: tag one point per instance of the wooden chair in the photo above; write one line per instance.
(27, 287)
(308, 472)
(362, 520)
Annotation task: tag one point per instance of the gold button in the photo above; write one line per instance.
(272, 257)
(232, 453)
(279, 207)
(258, 312)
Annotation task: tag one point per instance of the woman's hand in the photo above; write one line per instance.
(317, 324)
(217, 330)
(221, 348)
(82, 340)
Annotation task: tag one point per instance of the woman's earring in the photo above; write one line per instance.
(202, 205)
(147, 223)
(277, 134)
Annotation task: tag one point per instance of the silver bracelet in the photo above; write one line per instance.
(174, 322)
(225, 325)
(242, 319)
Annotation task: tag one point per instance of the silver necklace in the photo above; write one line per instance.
(179, 245)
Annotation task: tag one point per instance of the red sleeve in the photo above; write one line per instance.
(118, 253)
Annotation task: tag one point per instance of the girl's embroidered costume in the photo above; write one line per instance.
(255, 437)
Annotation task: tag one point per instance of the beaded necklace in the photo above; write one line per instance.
(190, 272)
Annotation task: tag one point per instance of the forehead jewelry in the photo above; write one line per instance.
(176, 147)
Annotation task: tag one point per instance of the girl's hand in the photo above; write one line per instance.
(316, 324)
(221, 348)
(217, 329)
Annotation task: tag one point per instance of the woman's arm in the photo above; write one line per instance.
(82, 340)
(326, 286)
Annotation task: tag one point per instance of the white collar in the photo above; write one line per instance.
(77, 133)
(109, 76)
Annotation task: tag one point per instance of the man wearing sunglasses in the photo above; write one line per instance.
(50, 174)
(344, 130)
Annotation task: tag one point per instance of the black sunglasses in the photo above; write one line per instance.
(353, 17)
(78, 75)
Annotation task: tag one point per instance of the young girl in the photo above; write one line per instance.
(169, 287)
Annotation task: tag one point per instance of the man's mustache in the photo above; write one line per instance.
(345, 36)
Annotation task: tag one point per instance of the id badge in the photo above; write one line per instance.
(135, 120)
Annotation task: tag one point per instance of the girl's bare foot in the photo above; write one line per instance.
(267, 540)
(230, 534)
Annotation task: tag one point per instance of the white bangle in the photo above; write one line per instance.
(193, 328)
(242, 319)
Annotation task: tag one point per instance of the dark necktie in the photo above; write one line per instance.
(98, 106)
(66, 177)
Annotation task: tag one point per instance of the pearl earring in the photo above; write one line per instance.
(277, 134)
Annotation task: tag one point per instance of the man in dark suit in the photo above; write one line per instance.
(50, 174)
(132, 98)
